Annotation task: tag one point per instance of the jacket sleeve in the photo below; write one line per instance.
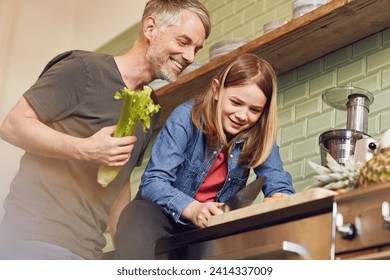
(167, 155)
(277, 179)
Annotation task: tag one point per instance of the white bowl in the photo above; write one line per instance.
(223, 47)
(384, 145)
(191, 68)
(158, 83)
(301, 7)
(269, 26)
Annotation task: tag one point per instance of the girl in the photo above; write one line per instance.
(203, 156)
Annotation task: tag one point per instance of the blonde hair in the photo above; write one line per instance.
(167, 12)
(259, 139)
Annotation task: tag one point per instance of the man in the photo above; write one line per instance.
(65, 121)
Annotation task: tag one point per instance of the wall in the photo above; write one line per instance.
(242, 19)
(33, 31)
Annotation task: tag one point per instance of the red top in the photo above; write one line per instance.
(214, 179)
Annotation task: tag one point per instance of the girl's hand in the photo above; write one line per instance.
(199, 213)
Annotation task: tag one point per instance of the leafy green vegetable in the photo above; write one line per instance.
(138, 107)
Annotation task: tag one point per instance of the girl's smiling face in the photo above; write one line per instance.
(241, 106)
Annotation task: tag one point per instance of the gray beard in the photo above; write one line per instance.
(160, 72)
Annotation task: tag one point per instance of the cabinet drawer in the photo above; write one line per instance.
(306, 238)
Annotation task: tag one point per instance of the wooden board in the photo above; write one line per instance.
(263, 207)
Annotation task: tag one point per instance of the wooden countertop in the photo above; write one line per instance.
(301, 206)
(300, 198)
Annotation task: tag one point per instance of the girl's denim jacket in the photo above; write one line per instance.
(181, 159)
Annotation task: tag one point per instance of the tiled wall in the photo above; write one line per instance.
(302, 114)
(242, 19)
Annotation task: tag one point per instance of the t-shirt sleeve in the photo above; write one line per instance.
(60, 88)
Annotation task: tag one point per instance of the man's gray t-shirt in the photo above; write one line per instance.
(60, 201)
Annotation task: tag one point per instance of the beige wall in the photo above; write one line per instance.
(33, 31)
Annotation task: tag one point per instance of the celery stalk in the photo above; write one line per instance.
(137, 107)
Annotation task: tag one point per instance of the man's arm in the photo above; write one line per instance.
(23, 129)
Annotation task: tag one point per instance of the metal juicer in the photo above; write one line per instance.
(353, 141)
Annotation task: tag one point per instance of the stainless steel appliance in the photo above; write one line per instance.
(341, 143)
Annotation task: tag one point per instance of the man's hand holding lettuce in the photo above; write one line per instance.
(137, 107)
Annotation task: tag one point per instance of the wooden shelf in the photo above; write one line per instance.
(306, 38)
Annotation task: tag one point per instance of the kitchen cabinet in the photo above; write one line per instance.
(311, 36)
(289, 228)
(362, 223)
(320, 226)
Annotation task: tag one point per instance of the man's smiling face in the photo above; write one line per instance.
(173, 49)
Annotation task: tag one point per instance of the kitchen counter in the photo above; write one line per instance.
(327, 226)
(301, 206)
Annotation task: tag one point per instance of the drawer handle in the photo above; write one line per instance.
(347, 231)
(386, 213)
(276, 251)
